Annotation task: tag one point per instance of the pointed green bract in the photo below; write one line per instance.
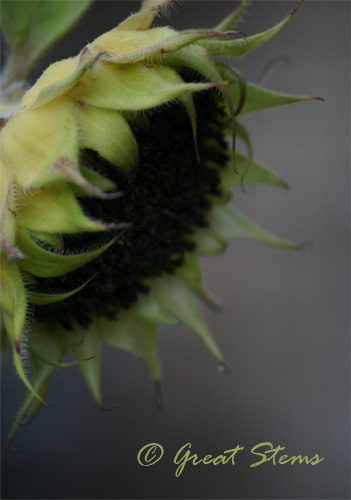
(231, 224)
(199, 59)
(55, 240)
(135, 335)
(97, 180)
(119, 47)
(207, 242)
(47, 264)
(140, 86)
(229, 22)
(176, 297)
(55, 210)
(89, 348)
(258, 97)
(22, 143)
(236, 48)
(41, 372)
(42, 298)
(150, 309)
(243, 133)
(18, 362)
(69, 72)
(257, 174)
(108, 133)
(191, 275)
(143, 19)
(15, 304)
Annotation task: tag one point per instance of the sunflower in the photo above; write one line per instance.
(117, 174)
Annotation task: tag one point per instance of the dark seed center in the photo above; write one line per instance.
(165, 198)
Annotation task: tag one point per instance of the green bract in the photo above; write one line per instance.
(94, 102)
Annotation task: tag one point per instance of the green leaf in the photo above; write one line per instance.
(31, 26)
(50, 298)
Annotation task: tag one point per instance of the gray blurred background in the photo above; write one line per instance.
(284, 329)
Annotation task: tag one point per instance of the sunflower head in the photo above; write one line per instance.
(116, 176)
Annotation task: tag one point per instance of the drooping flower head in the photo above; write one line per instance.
(116, 176)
